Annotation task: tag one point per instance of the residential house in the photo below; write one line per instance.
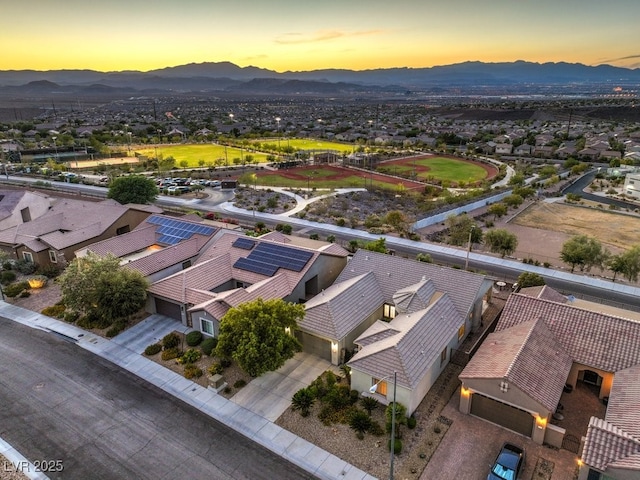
(21, 206)
(68, 225)
(160, 246)
(542, 343)
(631, 186)
(401, 316)
(612, 445)
(235, 269)
(503, 149)
(523, 150)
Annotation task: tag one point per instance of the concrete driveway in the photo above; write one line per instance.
(471, 445)
(270, 394)
(148, 331)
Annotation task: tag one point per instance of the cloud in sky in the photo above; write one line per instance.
(294, 38)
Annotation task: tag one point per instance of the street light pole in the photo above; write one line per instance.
(392, 444)
(466, 262)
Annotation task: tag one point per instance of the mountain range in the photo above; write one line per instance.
(226, 77)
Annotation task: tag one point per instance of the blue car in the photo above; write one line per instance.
(508, 464)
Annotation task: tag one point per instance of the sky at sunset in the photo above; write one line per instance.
(290, 35)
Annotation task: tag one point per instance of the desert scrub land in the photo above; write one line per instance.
(609, 227)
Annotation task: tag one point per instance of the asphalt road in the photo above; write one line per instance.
(60, 402)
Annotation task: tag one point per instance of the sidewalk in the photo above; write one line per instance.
(256, 427)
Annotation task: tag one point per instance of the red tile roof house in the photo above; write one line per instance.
(541, 343)
(236, 269)
(404, 316)
(150, 251)
(68, 225)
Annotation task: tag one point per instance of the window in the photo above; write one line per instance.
(206, 326)
(28, 256)
(443, 356)
(186, 264)
(504, 387)
(389, 311)
(53, 257)
(123, 230)
(461, 332)
(381, 388)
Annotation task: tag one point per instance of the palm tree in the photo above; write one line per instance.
(302, 400)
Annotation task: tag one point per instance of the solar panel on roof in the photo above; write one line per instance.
(244, 243)
(256, 266)
(177, 229)
(284, 257)
(169, 239)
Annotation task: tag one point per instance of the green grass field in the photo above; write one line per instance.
(317, 181)
(309, 144)
(440, 168)
(196, 152)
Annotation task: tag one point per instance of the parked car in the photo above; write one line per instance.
(509, 463)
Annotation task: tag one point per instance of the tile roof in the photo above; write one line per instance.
(414, 297)
(524, 355)
(126, 244)
(609, 446)
(623, 408)
(67, 223)
(339, 309)
(169, 256)
(544, 292)
(394, 273)
(591, 338)
(418, 343)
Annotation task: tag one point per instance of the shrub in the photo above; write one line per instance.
(240, 383)
(49, 271)
(208, 345)
(116, 328)
(191, 371)
(170, 353)
(171, 340)
(15, 289)
(71, 316)
(152, 349)
(55, 311)
(24, 294)
(225, 362)
(25, 267)
(193, 338)
(215, 369)
(7, 277)
(411, 422)
(360, 421)
(303, 400)
(376, 429)
(190, 356)
(7, 265)
(397, 446)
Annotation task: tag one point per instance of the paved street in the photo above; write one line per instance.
(60, 402)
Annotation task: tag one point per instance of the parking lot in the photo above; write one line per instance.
(471, 445)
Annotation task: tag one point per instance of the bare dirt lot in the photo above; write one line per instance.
(613, 229)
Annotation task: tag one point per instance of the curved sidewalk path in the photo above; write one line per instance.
(298, 451)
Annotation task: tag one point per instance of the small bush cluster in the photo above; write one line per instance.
(239, 383)
(190, 356)
(25, 267)
(116, 328)
(55, 311)
(193, 338)
(170, 353)
(15, 289)
(153, 349)
(7, 276)
(208, 346)
(215, 369)
(171, 340)
(191, 371)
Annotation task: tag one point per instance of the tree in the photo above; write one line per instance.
(459, 228)
(197, 188)
(121, 293)
(401, 416)
(360, 422)
(303, 400)
(583, 251)
(497, 210)
(513, 200)
(424, 257)
(133, 189)
(501, 241)
(627, 263)
(530, 279)
(94, 284)
(255, 334)
(377, 246)
(397, 220)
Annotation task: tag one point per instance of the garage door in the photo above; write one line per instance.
(502, 414)
(168, 309)
(314, 345)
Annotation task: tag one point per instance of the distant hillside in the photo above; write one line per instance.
(225, 76)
